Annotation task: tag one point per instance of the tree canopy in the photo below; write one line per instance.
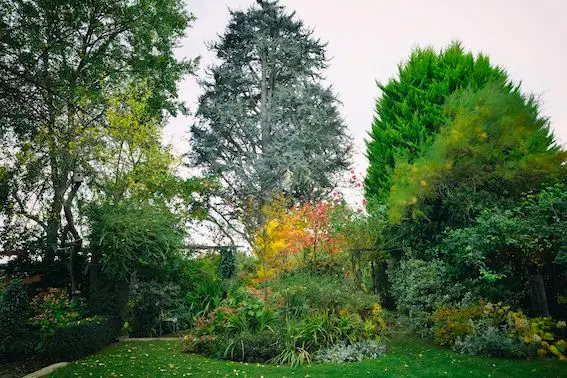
(61, 62)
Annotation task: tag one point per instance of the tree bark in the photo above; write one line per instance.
(373, 269)
(264, 124)
(538, 296)
(76, 244)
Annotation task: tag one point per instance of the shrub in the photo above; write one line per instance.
(480, 329)
(251, 316)
(227, 264)
(246, 347)
(208, 345)
(80, 338)
(327, 266)
(350, 326)
(258, 347)
(14, 334)
(343, 352)
(149, 300)
(451, 323)
(133, 235)
(207, 292)
(107, 297)
(53, 309)
(299, 293)
(302, 337)
(419, 287)
(489, 340)
(540, 335)
(214, 322)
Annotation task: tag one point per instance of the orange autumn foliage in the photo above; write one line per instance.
(289, 236)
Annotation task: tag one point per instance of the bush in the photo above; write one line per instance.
(343, 352)
(53, 309)
(133, 235)
(227, 263)
(209, 345)
(149, 300)
(213, 323)
(251, 316)
(497, 330)
(302, 337)
(300, 293)
(246, 347)
(451, 323)
(419, 287)
(258, 347)
(15, 338)
(80, 338)
(489, 340)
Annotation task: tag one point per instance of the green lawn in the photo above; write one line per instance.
(407, 358)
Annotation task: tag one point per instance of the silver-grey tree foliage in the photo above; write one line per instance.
(266, 122)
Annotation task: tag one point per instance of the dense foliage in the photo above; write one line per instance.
(61, 62)
(14, 307)
(131, 236)
(463, 239)
(409, 113)
(81, 338)
(472, 207)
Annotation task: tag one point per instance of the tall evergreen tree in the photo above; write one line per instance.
(409, 113)
(266, 123)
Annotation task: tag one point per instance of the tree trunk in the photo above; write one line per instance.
(53, 224)
(383, 285)
(538, 297)
(264, 124)
(76, 244)
(373, 270)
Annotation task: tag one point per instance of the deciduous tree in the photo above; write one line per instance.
(58, 59)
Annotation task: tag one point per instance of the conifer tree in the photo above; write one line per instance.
(409, 113)
(266, 123)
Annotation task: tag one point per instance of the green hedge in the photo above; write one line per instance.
(16, 340)
(81, 338)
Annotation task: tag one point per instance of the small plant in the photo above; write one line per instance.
(489, 340)
(293, 356)
(251, 316)
(343, 352)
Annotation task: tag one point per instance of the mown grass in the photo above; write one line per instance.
(405, 358)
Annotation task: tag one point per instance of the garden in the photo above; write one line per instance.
(447, 256)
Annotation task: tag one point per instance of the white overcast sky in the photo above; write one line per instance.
(368, 38)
